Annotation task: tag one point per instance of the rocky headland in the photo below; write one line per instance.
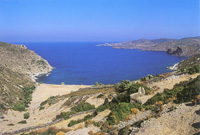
(19, 68)
(179, 47)
(20, 59)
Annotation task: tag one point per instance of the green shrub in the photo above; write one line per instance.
(19, 107)
(96, 83)
(101, 108)
(65, 115)
(97, 124)
(26, 115)
(41, 108)
(28, 94)
(44, 102)
(83, 106)
(123, 86)
(119, 112)
(194, 69)
(22, 122)
(74, 122)
(10, 124)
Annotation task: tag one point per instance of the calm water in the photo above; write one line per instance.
(86, 63)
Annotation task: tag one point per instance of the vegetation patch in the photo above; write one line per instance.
(22, 122)
(41, 108)
(28, 94)
(26, 115)
(65, 115)
(183, 92)
(19, 107)
(83, 106)
(191, 70)
(74, 122)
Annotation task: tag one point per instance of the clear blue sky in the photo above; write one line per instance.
(97, 20)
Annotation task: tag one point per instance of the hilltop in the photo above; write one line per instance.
(179, 47)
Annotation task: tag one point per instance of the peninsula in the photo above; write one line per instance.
(179, 47)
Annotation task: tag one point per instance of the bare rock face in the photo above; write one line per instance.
(134, 97)
(20, 59)
(178, 51)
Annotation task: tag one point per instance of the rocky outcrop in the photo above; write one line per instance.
(178, 51)
(180, 47)
(20, 59)
(134, 97)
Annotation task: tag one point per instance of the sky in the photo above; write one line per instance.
(97, 20)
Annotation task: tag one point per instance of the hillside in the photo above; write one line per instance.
(180, 47)
(18, 68)
(20, 59)
(11, 87)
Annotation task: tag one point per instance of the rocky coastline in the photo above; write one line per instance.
(185, 47)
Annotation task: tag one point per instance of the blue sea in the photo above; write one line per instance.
(86, 63)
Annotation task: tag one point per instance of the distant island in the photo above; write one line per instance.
(180, 47)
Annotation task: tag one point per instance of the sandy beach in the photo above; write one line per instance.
(44, 91)
(39, 117)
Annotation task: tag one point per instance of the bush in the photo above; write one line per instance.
(10, 124)
(194, 69)
(41, 108)
(87, 117)
(101, 108)
(28, 94)
(123, 86)
(65, 115)
(97, 124)
(83, 107)
(26, 115)
(96, 83)
(44, 102)
(119, 112)
(22, 122)
(19, 107)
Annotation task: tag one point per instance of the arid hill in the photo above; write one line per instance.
(180, 47)
(18, 68)
(11, 87)
(20, 59)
